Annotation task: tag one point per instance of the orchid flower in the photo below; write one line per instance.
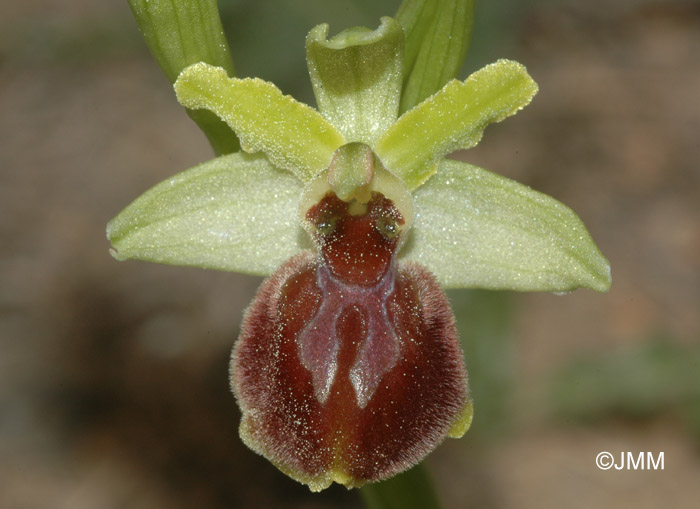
(348, 368)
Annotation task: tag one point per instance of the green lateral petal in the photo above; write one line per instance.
(356, 77)
(180, 33)
(235, 213)
(292, 135)
(476, 229)
(437, 39)
(453, 119)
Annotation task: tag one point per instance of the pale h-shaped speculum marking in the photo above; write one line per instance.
(320, 340)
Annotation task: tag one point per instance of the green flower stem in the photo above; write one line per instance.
(410, 490)
(180, 33)
(437, 39)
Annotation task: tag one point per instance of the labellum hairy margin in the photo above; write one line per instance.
(349, 367)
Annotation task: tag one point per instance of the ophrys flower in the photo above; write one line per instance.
(348, 367)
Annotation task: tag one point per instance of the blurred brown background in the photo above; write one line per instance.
(113, 376)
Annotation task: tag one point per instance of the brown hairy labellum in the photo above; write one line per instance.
(348, 367)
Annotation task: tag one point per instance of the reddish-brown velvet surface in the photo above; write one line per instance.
(348, 367)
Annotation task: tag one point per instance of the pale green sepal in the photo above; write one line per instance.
(437, 38)
(292, 135)
(357, 78)
(235, 213)
(452, 119)
(475, 229)
(180, 33)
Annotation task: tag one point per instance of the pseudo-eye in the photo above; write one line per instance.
(348, 367)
